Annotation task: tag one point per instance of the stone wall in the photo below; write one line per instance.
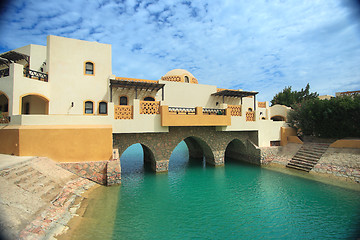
(279, 154)
(158, 147)
(341, 162)
(102, 172)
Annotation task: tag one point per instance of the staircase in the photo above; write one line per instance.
(308, 156)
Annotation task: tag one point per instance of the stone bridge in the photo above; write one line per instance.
(201, 142)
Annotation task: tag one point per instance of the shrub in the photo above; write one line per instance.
(335, 118)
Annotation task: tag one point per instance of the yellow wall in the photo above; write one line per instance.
(198, 119)
(60, 143)
(346, 143)
(285, 132)
(9, 141)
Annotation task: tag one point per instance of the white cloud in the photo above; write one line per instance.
(260, 45)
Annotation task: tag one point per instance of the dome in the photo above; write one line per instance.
(179, 75)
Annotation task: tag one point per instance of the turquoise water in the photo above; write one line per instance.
(238, 201)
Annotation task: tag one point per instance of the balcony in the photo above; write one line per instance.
(179, 116)
(35, 75)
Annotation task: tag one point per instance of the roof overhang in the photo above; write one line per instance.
(136, 85)
(234, 93)
(12, 56)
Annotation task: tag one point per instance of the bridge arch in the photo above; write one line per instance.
(236, 150)
(146, 154)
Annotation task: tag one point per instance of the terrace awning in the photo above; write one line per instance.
(137, 85)
(12, 56)
(237, 94)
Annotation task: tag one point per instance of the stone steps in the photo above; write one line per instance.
(307, 156)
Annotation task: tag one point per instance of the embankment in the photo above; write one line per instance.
(340, 162)
(37, 197)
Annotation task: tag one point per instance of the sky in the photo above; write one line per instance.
(254, 45)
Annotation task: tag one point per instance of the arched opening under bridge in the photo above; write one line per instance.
(137, 158)
(236, 151)
(192, 151)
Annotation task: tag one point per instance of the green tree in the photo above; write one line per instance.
(335, 118)
(288, 97)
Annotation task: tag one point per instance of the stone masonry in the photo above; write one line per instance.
(201, 141)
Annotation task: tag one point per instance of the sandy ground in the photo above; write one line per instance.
(37, 197)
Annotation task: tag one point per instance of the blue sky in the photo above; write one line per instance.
(258, 45)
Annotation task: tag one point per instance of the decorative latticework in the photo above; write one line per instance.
(136, 80)
(262, 104)
(214, 111)
(149, 107)
(194, 80)
(123, 112)
(250, 116)
(171, 78)
(235, 110)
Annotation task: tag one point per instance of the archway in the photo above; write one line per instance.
(236, 151)
(4, 103)
(136, 159)
(199, 152)
(34, 104)
(278, 118)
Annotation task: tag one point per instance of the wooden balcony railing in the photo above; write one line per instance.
(35, 75)
(235, 110)
(250, 116)
(149, 107)
(4, 118)
(4, 72)
(123, 112)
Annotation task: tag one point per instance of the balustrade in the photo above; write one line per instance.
(250, 116)
(214, 111)
(4, 72)
(149, 107)
(35, 75)
(262, 104)
(235, 110)
(123, 112)
(182, 110)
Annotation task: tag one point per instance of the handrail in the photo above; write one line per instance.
(4, 72)
(35, 74)
(214, 111)
(182, 110)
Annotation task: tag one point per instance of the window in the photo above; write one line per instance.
(149, 99)
(123, 100)
(89, 68)
(186, 79)
(89, 107)
(102, 107)
(250, 110)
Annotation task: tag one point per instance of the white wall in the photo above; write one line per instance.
(68, 83)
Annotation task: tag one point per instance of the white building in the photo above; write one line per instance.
(62, 101)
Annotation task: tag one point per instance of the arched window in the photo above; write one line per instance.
(89, 68)
(123, 100)
(250, 110)
(186, 79)
(149, 99)
(102, 107)
(89, 107)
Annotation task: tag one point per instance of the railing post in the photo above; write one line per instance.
(199, 111)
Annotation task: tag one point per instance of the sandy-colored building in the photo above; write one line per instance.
(62, 101)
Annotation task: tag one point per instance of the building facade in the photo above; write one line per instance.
(62, 101)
